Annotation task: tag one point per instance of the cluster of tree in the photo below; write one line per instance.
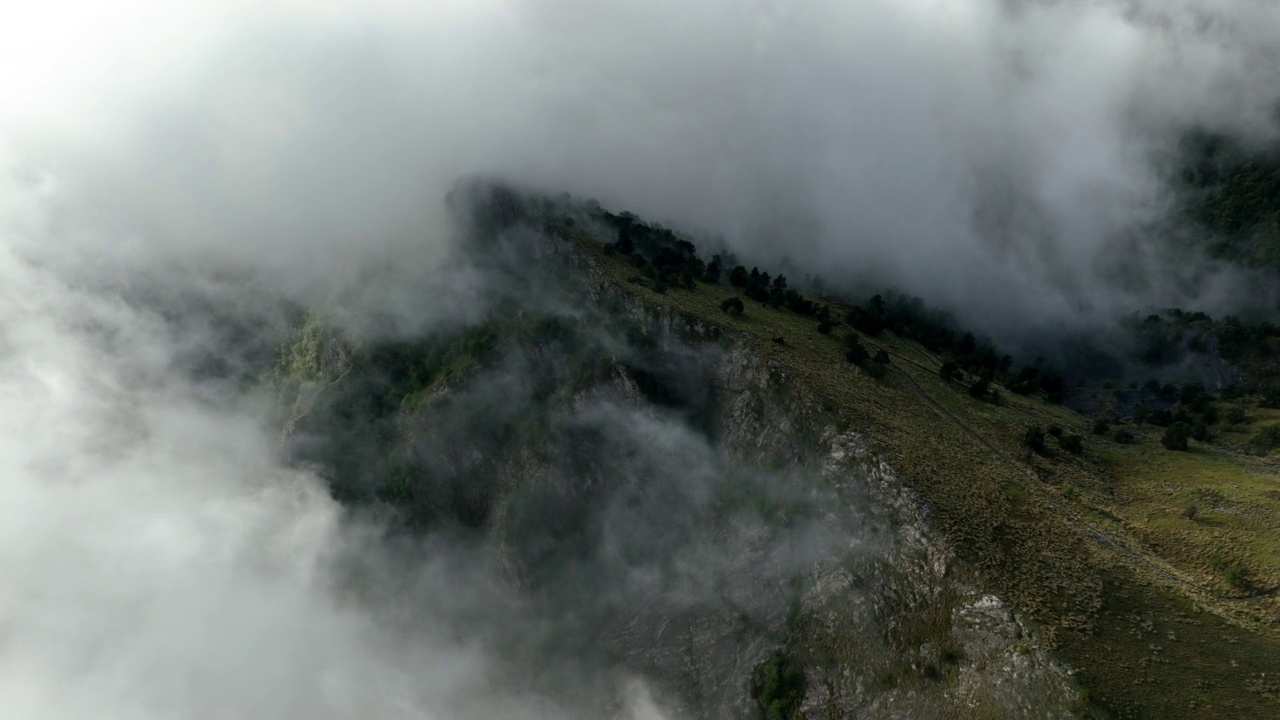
(875, 364)
(1034, 440)
(965, 356)
(671, 261)
(1191, 416)
(774, 292)
(667, 259)
(1236, 197)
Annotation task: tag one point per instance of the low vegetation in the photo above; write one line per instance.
(1081, 523)
(1142, 615)
(778, 687)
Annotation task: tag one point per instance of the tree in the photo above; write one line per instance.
(881, 357)
(854, 351)
(1073, 444)
(738, 276)
(1005, 364)
(824, 326)
(712, 273)
(948, 370)
(1176, 436)
(1101, 427)
(732, 306)
(865, 322)
(980, 388)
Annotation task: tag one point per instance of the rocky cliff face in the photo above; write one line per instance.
(660, 503)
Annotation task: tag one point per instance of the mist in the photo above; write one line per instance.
(165, 559)
(942, 147)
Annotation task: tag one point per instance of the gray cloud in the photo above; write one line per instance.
(948, 147)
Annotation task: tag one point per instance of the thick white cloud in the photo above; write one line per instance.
(945, 146)
(160, 561)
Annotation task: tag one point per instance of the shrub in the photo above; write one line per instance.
(824, 326)
(1236, 415)
(875, 369)
(881, 357)
(732, 306)
(1176, 436)
(1270, 397)
(1124, 437)
(1200, 432)
(1073, 444)
(1033, 439)
(1265, 440)
(1191, 512)
(856, 353)
(1101, 427)
(1237, 576)
(1055, 431)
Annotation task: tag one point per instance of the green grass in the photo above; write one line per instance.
(1147, 618)
(1238, 503)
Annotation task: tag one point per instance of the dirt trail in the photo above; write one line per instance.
(1122, 545)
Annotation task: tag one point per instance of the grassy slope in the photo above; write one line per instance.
(1093, 547)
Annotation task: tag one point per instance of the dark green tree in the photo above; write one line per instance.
(712, 273)
(1176, 436)
(854, 351)
(948, 370)
(1033, 439)
(778, 687)
(979, 389)
(732, 306)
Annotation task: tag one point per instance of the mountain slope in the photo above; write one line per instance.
(603, 425)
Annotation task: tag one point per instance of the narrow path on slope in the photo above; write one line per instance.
(1123, 545)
